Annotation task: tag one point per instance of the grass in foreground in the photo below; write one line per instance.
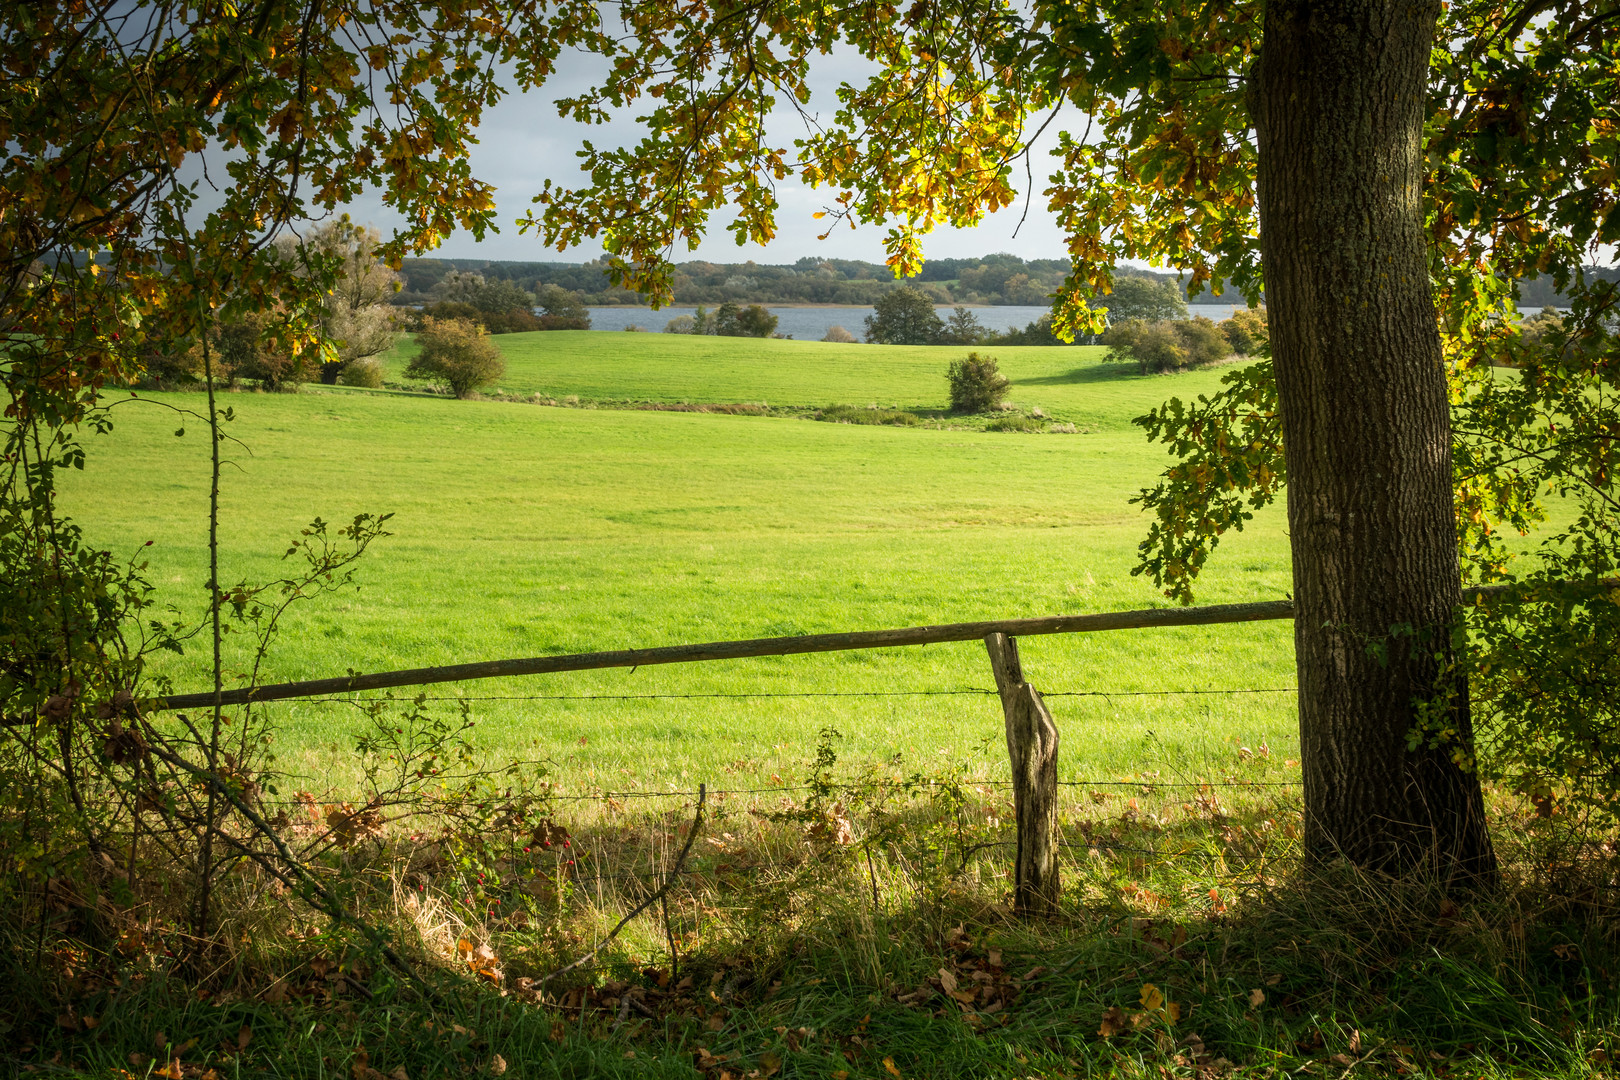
(858, 928)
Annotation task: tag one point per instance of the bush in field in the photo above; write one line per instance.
(367, 373)
(840, 335)
(515, 321)
(1203, 340)
(976, 383)
(1247, 331)
(681, 324)
(457, 354)
(1167, 345)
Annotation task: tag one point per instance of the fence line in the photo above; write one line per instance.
(737, 650)
(753, 647)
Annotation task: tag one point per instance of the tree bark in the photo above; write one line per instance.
(1338, 104)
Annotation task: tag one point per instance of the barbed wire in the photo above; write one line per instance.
(965, 691)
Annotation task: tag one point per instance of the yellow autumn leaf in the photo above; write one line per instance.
(1152, 998)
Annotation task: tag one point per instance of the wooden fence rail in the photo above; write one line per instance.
(736, 650)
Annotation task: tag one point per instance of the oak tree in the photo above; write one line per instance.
(1377, 166)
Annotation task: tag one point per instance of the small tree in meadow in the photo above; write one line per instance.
(904, 316)
(976, 383)
(458, 354)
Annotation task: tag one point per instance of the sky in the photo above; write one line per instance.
(522, 143)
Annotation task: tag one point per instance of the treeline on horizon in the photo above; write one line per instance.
(999, 279)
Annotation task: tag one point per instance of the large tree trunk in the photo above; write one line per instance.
(1338, 104)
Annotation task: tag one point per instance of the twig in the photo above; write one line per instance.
(669, 879)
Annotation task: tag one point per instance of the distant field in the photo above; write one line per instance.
(524, 530)
(1068, 383)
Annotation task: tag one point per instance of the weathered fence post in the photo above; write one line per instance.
(1032, 744)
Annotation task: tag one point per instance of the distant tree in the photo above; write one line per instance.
(903, 316)
(734, 320)
(756, 321)
(501, 296)
(976, 383)
(490, 298)
(456, 353)
(840, 335)
(962, 328)
(562, 309)
(248, 349)
(681, 324)
(511, 321)
(357, 319)
(1537, 327)
(1148, 299)
(459, 287)
(702, 321)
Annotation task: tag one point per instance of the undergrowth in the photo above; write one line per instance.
(852, 924)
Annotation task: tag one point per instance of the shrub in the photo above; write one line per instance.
(458, 354)
(681, 324)
(1202, 340)
(839, 335)
(903, 316)
(850, 414)
(367, 373)
(976, 383)
(1247, 331)
(1145, 299)
(1165, 346)
(515, 321)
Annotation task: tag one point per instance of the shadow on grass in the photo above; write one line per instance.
(1091, 373)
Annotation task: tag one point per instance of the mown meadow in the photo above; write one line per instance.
(523, 530)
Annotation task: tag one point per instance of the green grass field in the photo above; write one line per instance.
(522, 530)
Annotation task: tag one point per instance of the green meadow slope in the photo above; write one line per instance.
(522, 529)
